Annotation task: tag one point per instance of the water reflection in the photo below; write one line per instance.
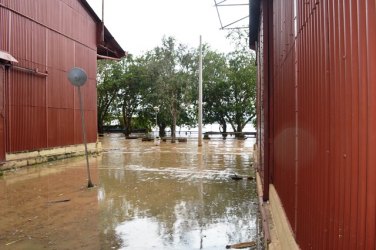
(172, 196)
(32, 216)
(176, 196)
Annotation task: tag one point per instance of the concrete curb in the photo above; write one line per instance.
(29, 158)
(277, 231)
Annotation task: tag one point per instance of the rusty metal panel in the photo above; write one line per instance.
(67, 17)
(26, 90)
(2, 114)
(53, 14)
(60, 54)
(4, 29)
(85, 58)
(61, 127)
(86, 31)
(370, 18)
(260, 103)
(312, 125)
(353, 71)
(323, 119)
(20, 37)
(40, 11)
(60, 91)
(90, 122)
(27, 126)
(284, 136)
(47, 36)
(38, 45)
(284, 106)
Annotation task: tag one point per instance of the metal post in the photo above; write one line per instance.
(89, 184)
(78, 78)
(200, 97)
(103, 11)
(156, 124)
(102, 34)
(157, 140)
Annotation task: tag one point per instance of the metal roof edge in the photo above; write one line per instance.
(109, 39)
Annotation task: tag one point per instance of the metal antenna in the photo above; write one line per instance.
(225, 4)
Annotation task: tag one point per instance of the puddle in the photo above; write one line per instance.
(172, 196)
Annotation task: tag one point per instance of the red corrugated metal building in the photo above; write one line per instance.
(38, 107)
(317, 116)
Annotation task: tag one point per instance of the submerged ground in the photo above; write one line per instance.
(172, 196)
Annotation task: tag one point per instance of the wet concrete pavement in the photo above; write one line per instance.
(172, 196)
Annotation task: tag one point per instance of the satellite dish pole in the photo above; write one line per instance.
(78, 78)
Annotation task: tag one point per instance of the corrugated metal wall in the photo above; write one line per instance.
(323, 131)
(51, 36)
(260, 106)
(2, 114)
(284, 119)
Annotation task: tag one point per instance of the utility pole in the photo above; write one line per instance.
(200, 97)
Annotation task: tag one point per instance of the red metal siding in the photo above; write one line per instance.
(60, 91)
(2, 115)
(27, 124)
(61, 127)
(90, 119)
(49, 36)
(4, 29)
(313, 129)
(284, 120)
(371, 156)
(60, 54)
(260, 105)
(324, 120)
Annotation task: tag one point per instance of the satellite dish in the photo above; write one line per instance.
(77, 76)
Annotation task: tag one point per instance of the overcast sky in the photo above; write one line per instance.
(139, 25)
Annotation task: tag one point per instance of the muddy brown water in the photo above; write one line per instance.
(172, 196)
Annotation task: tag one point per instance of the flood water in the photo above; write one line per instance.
(172, 196)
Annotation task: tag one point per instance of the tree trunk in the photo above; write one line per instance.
(173, 129)
(224, 126)
(162, 130)
(100, 126)
(173, 125)
(126, 120)
(128, 126)
(239, 130)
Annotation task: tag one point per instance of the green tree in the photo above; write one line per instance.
(128, 95)
(241, 93)
(215, 85)
(230, 87)
(172, 73)
(109, 76)
(167, 77)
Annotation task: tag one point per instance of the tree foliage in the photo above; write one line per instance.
(167, 77)
(230, 87)
(108, 84)
(241, 94)
(171, 69)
